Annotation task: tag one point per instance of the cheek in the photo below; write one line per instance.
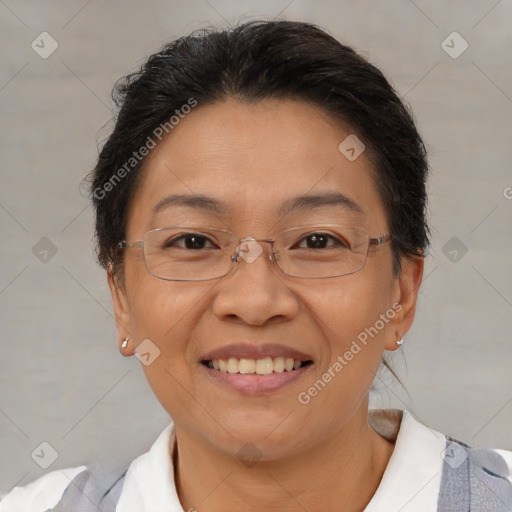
(343, 382)
(163, 311)
(350, 304)
(353, 313)
(349, 315)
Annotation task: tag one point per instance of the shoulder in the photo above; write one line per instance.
(474, 476)
(64, 490)
(93, 489)
(41, 494)
(429, 470)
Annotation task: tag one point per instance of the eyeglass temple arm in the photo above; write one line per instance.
(380, 240)
(128, 245)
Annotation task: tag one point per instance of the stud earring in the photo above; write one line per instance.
(125, 343)
(399, 341)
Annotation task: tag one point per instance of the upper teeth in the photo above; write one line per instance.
(263, 366)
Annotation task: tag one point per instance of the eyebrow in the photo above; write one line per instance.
(304, 202)
(311, 201)
(198, 201)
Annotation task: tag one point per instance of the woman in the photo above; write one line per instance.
(260, 212)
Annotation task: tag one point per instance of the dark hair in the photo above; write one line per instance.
(252, 62)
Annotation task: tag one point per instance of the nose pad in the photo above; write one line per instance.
(249, 249)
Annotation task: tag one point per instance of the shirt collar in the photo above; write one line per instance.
(411, 480)
(149, 482)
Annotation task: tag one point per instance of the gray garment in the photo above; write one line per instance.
(473, 480)
(86, 494)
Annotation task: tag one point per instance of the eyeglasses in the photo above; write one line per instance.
(184, 253)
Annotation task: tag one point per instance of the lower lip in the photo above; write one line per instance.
(254, 384)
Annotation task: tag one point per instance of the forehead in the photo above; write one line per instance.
(254, 160)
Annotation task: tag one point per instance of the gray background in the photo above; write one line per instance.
(62, 378)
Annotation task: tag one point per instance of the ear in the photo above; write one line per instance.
(121, 309)
(405, 294)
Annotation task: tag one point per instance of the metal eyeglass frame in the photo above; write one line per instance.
(376, 241)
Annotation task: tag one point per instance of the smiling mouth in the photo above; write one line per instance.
(263, 366)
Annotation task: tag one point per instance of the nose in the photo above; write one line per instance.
(249, 249)
(255, 291)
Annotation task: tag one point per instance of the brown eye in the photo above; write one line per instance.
(194, 241)
(321, 241)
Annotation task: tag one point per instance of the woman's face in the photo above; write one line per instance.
(253, 159)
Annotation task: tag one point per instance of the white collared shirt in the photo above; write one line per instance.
(411, 481)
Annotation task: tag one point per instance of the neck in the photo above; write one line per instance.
(341, 473)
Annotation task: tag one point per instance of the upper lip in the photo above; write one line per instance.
(260, 351)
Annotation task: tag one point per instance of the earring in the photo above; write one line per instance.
(399, 341)
(125, 343)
